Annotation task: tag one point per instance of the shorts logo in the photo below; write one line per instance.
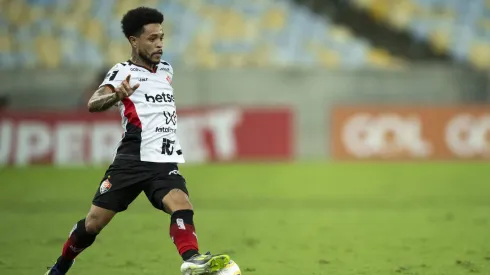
(174, 172)
(105, 186)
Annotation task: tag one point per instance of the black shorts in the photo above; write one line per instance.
(125, 179)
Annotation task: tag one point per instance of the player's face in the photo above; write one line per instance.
(150, 43)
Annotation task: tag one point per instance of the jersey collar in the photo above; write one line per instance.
(152, 70)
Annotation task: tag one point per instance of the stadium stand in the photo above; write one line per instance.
(200, 33)
(458, 27)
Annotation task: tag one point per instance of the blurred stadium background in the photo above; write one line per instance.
(360, 126)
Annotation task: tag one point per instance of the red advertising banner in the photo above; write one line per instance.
(79, 137)
(413, 133)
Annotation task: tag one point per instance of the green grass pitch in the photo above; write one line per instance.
(284, 219)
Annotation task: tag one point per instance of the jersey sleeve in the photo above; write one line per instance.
(168, 68)
(115, 76)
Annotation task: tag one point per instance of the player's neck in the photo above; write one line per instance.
(140, 62)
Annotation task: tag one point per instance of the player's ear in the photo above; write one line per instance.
(132, 41)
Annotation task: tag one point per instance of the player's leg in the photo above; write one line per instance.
(182, 231)
(168, 192)
(119, 187)
(81, 237)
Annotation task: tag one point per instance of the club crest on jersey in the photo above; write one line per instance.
(169, 79)
(105, 186)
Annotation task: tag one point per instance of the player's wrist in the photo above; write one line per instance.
(116, 96)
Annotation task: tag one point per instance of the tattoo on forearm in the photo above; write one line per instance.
(101, 102)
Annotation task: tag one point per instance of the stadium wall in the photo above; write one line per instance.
(310, 95)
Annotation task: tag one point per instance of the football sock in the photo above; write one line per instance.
(183, 233)
(78, 240)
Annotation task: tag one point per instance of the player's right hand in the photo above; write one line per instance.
(124, 90)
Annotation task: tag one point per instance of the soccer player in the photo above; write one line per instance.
(147, 157)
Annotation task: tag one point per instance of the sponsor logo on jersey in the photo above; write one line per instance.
(163, 97)
(142, 79)
(170, 117)
(165, 130)
(165, 67)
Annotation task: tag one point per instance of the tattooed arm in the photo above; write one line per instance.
(102, 100)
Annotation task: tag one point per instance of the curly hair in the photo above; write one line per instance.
(134, 20)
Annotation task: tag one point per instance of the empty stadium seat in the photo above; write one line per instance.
(458, 27)
(201, 33)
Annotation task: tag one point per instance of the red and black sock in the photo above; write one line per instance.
(183, 233)
(78, 241)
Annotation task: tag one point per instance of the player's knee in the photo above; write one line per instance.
(176, 200)
(97, 220)
(93, 224)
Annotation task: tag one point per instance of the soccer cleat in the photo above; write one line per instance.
(204, 264)
(53, 270)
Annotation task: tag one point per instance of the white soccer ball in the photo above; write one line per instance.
(230, 269)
